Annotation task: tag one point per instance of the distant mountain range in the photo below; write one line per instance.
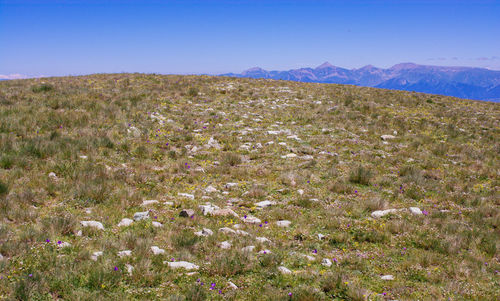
(463, 82)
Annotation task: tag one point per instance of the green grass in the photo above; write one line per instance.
(116, 140)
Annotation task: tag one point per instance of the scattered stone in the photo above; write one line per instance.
(210, 189)
(326, 262)
(262, 240)
(251, 220)
(248, 249)
(213, 143)
(187, 213)
(242, 233)
(141, 215)
(309, 257)
(83, 157)
(225, 245)
(283, 224)
(149, 202)
(96, 255)
(157, 224)
(300, 191)
(265, 251)
(130, 269)
(93, 224)
(64, 245)
(387, 137)
(232, 285)
(52, 175)
(157, 251)
(124, 253)
(208, 208)
(125, 222)
(169, 203)
(230, 185)
(204, 232)
(264, 204)
(186, 195)
(387, 277)
(1, 257)
(134, 132)
(227, 230)
(415, 211)
(284, 270)
(380, 213)
(289, 156)
(182, 264)
(224, 212)
(320, 236)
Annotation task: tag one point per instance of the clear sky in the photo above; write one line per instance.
(80, 37)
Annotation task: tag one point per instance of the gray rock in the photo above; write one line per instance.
(262, 240)
(124, 253)
(387, 137)
(125, 222)
(96, 255)
(186, 195)
(208, 208)
(232, 285)
(92, 224)
(283, 224)
(380, 213)
(182, 264)
(141, 215)
(149, 202)
(264, 204)
(187, 213)
(204, 232)
(284, 270)
(326, 262)
(157, 224)
(387, 277)
(415, 211)
(248, 249)
(225, 245)
(157, 251)
(251, 220)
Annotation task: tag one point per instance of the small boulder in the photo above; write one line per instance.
(204, 232)
(141, 215)
(210, 189)
(157, 251)
(284, 270)
(326, 262)
(149, 202)
(124, 253)
(415, 211)
(225, 245)
(157, 224)
(125, 222)
(387, 137)
(96, 255)
(187, 213)
(283, 224)
(387, 277)
(92, 224)
(251, 220)
(182, 264)
(186, 195)
(264, 204)
(380, 213)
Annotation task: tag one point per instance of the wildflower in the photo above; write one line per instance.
(260, 225)
(335, 260)
(116, 268)
(59, 242)
(290, 294)
(315, 251)
(47, 240)
(30, 275)
(425, 212)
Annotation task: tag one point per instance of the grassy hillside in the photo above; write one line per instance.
(104, 147)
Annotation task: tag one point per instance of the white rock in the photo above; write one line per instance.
(251, 220)
(96, 255)
(134, 132)
(380, 213)
(125, 222)
(157, 224)
(265, 251)
(149, 202)
(242, 233)
(284, 270)
(52, 175)
(213, 143)
(93, 224)
(264, 204)
(415, 211)
(79, 233)
(83, 157)
(282, 143)
(169, 203)
(64, 245)
(130, 269)
(262, 239)
(204, 232)
(326, 262)
(248, 249)
(387, 277)
(300, 191)
(182, 264)
(141, 215)
(232, 285)
(283, 223)
(210, 189)
(208, 208)
(320, 236)
(186, 195)
(225, 245)
(157, 251)
(309, 257)
(227, 230)
(1, 257)
(289, 156)
(231, 185)
(387, 137)
(124, 253)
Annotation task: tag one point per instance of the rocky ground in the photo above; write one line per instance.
(132, 186)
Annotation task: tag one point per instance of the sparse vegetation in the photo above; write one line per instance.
(100, 147)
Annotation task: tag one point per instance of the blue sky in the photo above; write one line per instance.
(82, 37)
